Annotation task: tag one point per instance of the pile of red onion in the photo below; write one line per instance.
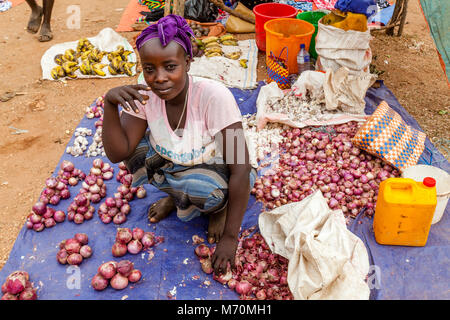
(80, 209)
(43, 217)
(116, 274)
(17, 286)
(123, 171)
(133, 241)
(117, 208)
(72, 251)
(54, 191)
(259, 274)
(96, 110)
(70, 175)
(313, 159)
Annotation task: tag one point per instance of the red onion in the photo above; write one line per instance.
(202, 251)
(39, 208)
(125, 208)
(138, 233)
(148, 240)
(108, 269)
(119, 218)
(72, 246)
(38, 227)
(135, 275)
(67, 166)
(78, 218)
(243, 287)
(16, 282)
(141, 192)
(61, 256)
(124, 235)
(49, 222)
(74, 259)
(81, 200)
(134, 246)
(86, 251)
(99, 283)
(119, 249)
(119, 281)
(124, 267)
(206, 265)
(110, 202)
(261, 294)
(28, 294)
(107, 175)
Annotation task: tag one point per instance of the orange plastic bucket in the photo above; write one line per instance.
(289, 33)
(268, 11)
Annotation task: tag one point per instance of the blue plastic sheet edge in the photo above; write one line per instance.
(174, 271)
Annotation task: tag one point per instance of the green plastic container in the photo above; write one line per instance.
(312, 17)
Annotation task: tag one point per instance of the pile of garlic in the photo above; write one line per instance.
(262, 142)
(80, 143)
(96, 148)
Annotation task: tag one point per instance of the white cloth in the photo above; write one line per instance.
(326, 260)
(106, 40)
(228, 71)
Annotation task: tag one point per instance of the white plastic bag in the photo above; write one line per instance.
(326, 260)
(338, 48)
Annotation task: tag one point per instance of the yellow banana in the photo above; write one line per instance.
(99, 72)
(60, 71)
(54, 73)
(116, 63)
(112, 71)
(209, 39)
(230, 43)
(213, 50)
(69, 54)
(212, 45)
(67, 66)
(234, 55)
(226, 37)
(213, 54)
(125, 54)
(243, 63)
(72, 75)
(58, 59)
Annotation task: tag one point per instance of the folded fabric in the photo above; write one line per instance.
(326, 260)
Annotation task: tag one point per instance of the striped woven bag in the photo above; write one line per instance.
(387, 136)
(277, 70)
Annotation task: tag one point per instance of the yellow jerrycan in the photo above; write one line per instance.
(404, 211)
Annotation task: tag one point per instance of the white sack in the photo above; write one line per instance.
(326, 260)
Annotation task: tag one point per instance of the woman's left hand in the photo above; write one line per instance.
(225, 253)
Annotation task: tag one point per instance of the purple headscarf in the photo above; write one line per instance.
(171, 27)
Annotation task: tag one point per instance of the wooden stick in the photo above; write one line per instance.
(222, 6)
(402, 22)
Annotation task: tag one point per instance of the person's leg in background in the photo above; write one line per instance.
(36, 17)
(46, 31)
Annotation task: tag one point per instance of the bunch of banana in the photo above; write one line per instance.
(243, 63)
(121, 67)
(58, 72)
(97, 68)
(84, 45)
(234, 55)
(69, 55)
(85, 67)
(212, 47)
(69, 68)
(228, 40)
(58, 59)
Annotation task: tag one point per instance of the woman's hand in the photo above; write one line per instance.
(225, 253)
(125, 96)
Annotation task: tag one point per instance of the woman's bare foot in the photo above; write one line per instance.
(35, 20)
(46, 33)
(216, 225)
(161, 209)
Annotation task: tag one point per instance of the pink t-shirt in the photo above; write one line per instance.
(210, 108)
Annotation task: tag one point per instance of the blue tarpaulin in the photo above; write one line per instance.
(396, 273)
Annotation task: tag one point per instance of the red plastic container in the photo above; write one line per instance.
(268, 11)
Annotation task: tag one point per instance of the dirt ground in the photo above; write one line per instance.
(50, 110)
